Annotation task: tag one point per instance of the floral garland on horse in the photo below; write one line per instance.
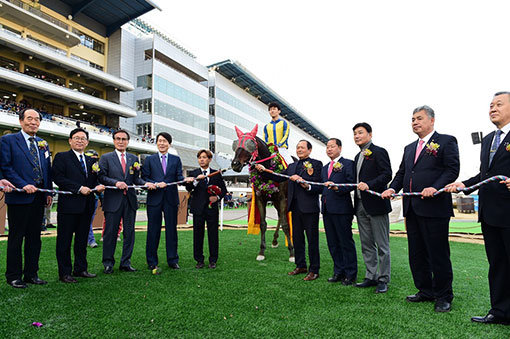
(266, 186)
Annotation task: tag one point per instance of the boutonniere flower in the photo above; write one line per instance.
(95, 167)
(42, 144)
(136, 167)
(366, 153)
(337, 167)
(507, 146)
(308, 167)
(431, 148)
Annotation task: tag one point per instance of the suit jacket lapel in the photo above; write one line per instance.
(116, 161)
(23, 145)
(486, 150)
(423, 150)
(76, 162)
(501, 148)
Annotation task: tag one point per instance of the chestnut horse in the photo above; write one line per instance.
(250, 149)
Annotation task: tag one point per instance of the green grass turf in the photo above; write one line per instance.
(241, 298)
(455, 226)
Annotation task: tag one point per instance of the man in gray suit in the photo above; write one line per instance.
(120, 169)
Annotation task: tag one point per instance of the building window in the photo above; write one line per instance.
(182, 137)
(144, 105)
(166, 87)
(86, 62)
(144, 81)
(240, 105)
(90, 42)
(144, 130)
(171, 112)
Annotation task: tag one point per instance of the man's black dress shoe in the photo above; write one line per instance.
(108, 270)
(382, 287)
(199, 265)
(67, 279)
(84, 274)
(335, 278)
(128, 268)
(367, 283)
(35, 281)
(490, 319)
(348, 281)
(18, 283)
(212, 265)
(418, 297)
(442, 306)
(174, 266)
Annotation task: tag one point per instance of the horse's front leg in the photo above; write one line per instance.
(261, 204)
(282, 218)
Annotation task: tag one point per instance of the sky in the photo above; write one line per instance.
(342, 62)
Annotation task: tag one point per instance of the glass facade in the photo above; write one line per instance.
(166, 87)
(171, 112)
(226, 132)
(240, 105)
(224, 148)
(234, 118)
(183, 137)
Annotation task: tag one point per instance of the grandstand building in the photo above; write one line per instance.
(239, 98)
(62, 58)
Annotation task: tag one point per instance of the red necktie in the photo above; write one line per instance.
(123, 162)
(330, 169)
(418, 150)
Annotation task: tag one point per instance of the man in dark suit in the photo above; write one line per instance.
(303, 202)
(159, 169)
(428, 164)
(492, 209)
(120, 169)
(72, 171)
(337, 214)
(25, 162)
(373, 171)
(204, 208)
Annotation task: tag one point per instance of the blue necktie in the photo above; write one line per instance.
(83, 164)
(35, 157)
(495, 145)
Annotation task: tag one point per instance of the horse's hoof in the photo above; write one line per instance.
(260, 257)
(274, 246)
(292, 259)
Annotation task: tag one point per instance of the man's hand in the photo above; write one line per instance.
(100, 188)
(121, 185)
(296, 177)
(506, 182)
(329, 184)
(49, 200)
(362, 186)
(187, 180)
(213, 199)
(85, 190)
(200, 177)
(428, 192)
(163, 184)
(452, 188)
(150, 185)
(7, 185)
(30, 189)
(260, 167)
(388, 193)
